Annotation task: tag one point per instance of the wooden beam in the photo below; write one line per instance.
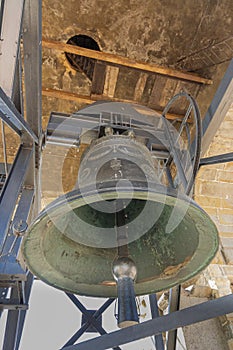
(111, 80)
(124, 61)
(65, 95)
(70, 96)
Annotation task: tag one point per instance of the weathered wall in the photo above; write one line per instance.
(214, 192)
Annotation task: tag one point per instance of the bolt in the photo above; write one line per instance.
(19, 228)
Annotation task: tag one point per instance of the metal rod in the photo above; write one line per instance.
(175, 155)
(1, 16)
(86, 325)
(11, 330)
(174, 320)
(121, 230)
(159, 345)
(22, 316)
(11, 116)
(91, 320)
(4, 147)
(174, 303)
(221, 158)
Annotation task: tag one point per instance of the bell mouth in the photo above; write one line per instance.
(170, 239)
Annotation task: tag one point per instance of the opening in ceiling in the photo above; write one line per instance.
(80, 63)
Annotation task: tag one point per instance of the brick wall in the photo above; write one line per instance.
(214, 193)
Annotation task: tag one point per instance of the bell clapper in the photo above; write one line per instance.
(124, 271)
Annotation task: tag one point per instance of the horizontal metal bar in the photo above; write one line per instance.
(10, 306)
(11, 190)
(13, 118)
(63, 129)
(221, 158)
(174, 320)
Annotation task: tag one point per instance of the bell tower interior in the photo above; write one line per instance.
(116, 186)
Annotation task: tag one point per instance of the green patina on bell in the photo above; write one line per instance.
(72, 244)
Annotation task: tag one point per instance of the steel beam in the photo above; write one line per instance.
(218, 108)
(9, 44)
(159, 345)
(10, 268)
(91, 319)
(22, 316)
(11, 326)
(11, 190)
(32, 38)
(221, 158)
(174, 303)
(85, 326)
(174, 320)
(13, 118)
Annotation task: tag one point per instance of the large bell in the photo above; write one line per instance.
(120, 207)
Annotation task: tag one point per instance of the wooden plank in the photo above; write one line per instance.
(124, 61)
(98, 80)
(140, 86)
(126, 78)
(111, 80)
(157, 91)
(149, 87)
(168, 92)
(66, 95)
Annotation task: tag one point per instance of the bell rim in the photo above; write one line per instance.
(110, 291)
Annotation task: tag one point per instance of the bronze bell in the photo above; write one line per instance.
(120, 208)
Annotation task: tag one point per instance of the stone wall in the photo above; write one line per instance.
(214, 193)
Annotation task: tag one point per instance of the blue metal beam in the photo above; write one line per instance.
(159, 345)
(90, 318)
(11, 190)
(85, 326)
(218, 108)
(185, 317)
(10, 114)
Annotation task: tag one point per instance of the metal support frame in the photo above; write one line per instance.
(218, 108)
(221, 158)
(158, 338)
(174, 303)
(13, 118)
(174, 320)
(91, 319)
(21, 185)
(19, 200)
(10, 29)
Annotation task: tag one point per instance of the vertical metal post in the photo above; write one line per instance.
(11, 326)
(32, 45)
(27, 290)
(174, 303)
(159, 345)
(11, 20)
